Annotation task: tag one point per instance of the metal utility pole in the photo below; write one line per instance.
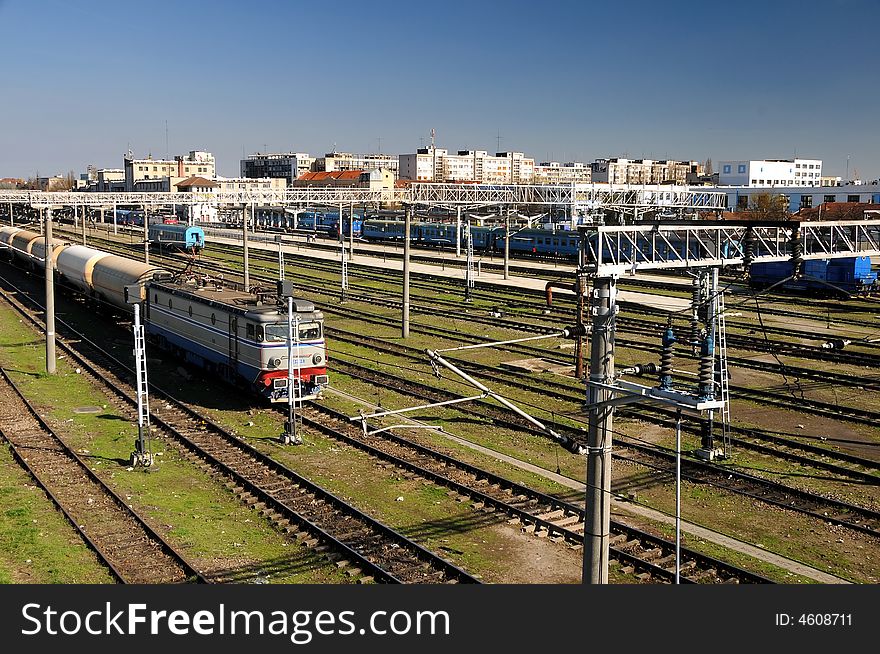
(598, 500)
(678, 497)
(280, 259)
(344, 279)
(50, 298)
(407, 222)
(458, 231)
(146, 235)
(114, 219)
(350, 228)
(244, 245)
(84, 224)
(11, 217)
(469, 269)
(507, 244)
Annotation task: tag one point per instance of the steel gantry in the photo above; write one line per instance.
(609, 252)
(580, 198)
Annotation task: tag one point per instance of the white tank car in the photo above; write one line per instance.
(76, 265)
(112, 274)
(21, 243)
(6, 234)
(38, 251)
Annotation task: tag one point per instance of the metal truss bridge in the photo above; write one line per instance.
(580, 197)
(611, 251)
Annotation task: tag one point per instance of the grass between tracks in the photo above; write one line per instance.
(194, 512)
(37, 543)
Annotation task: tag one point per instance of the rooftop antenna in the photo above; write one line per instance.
(498, 142)
(380, 145)
(166, 139)
(432, 138)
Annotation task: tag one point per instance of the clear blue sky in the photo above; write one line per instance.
(83, 81)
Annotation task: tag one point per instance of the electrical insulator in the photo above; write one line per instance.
(695, 310)
(641, 369)
(797, 254)
(574, 331)
(836, 344)
(748, 248)
(666, 359)
(706, 387)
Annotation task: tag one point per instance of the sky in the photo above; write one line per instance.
(85, 81)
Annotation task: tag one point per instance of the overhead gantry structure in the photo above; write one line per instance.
(580, 198)
(609, 252)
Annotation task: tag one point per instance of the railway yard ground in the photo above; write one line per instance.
(486, 499)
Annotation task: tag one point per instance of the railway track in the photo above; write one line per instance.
(764, 443)
(367, 549)
(535, 301)
(648, 556)
(846, 466)
(858, 518)
(761, 442)
(132, 550)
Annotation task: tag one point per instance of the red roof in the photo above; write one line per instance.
(837, 211)
(195, 180)
(332, 175)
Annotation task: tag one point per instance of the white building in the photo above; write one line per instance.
(618, 170)
(287, 165)
(740, 198)
(333, 161)
(437, 165)
(553, 172)
(770, 173)
(149, 170)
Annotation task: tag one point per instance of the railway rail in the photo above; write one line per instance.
(536, 512)
(855, 517)
(133, 551)
(369, 550)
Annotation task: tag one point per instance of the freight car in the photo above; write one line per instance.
(234, 334)
(843, 276)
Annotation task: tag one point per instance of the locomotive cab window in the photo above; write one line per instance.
(250, 330)
(277, 332)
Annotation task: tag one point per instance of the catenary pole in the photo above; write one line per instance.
(244, 244)
(50, 298)
(407, 222)
(598, 493)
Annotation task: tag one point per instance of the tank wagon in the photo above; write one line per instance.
(238, 335)
(181, 237)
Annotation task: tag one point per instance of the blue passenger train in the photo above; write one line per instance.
(180, 237)
(843, 276)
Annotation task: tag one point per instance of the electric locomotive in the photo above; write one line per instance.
(238, 335)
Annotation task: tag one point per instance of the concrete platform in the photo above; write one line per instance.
(303, 250)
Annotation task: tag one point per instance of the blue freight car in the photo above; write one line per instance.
(182, 237)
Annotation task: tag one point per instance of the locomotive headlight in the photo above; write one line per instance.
(317, 359)
(275, 362)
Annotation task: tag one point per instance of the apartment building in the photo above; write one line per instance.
(770, 172)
